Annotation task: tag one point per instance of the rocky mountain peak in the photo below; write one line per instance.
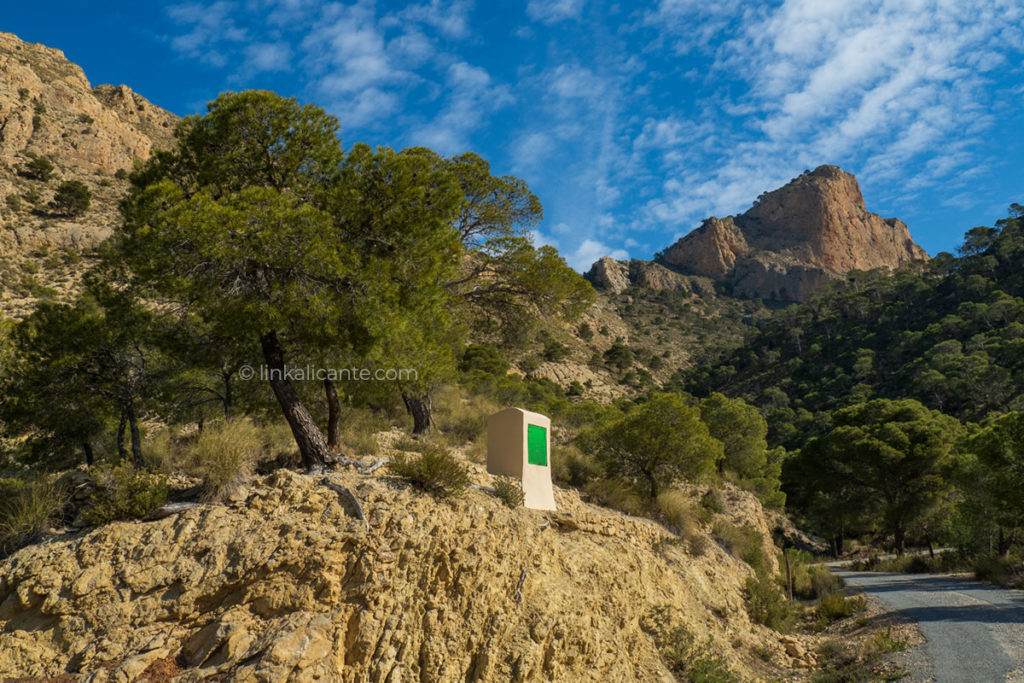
(794, 239)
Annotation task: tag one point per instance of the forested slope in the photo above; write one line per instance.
(950, 335)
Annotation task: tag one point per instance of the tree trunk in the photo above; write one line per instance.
(419, 408)
(136, 440)
(1005, 542)
(333, 415)
(789, 574)
(931, 550)
(898, 535)
(316, 454)
(90, 460)
(122, 454)
(226, 397)
(652, 483)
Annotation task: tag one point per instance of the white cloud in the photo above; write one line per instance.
(590, 250)
(873, 85)
(470, 97)
(450, 18)
(572, 81)
(210, 25)
(554, 11)
(584, 254)
(262, 57)
(352, 67)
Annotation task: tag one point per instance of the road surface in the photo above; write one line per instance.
(974, 632)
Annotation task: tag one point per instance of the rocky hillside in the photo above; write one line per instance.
(285, 583)
(793, 240)
(48, 109)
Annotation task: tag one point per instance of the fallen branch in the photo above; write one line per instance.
(168, 510)
(347, 495)
(519, 588)
(376, 466)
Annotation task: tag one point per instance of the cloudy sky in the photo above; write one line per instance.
(631, 122)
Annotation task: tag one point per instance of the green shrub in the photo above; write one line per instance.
(528, 365)
(837, 606)
(766, 604)
(618, 494)
(683, 656)
(484, 357)
(13, 202)
(85, 118)
(39, 168)
(436, 470)
(121, 174)
(712, 501)
(508, 492)
(685, 518)
(619, 356)
(1001, 571)
(573, 468)
(463, 418)
(27, 509)
(72, 198)
(224, 454)
(883, 641)
(742, 542)
(554, 351)
(841, 663)
(23, 94)
(409, 444)
(811, 581)
(123, 492)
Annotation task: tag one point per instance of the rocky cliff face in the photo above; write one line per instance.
(794, 239)
(80, 128)
(49, 109)
(615, 277)
(283, 584)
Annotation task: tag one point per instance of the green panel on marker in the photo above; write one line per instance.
(536, 445)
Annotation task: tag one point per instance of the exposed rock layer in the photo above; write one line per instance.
(284, 584)
(49, 109)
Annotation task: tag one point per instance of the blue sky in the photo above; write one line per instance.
(631, 122)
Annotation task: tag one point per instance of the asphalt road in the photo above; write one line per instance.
(974, 632)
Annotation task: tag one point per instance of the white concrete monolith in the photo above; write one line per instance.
(519, 445)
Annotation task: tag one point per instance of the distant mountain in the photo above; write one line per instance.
(793, 240)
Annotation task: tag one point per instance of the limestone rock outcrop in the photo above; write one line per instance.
(795, 239)
(615, 277)
(80, 128)
(609, 274)
(48, 109)
(284, 584)
(792, 241)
